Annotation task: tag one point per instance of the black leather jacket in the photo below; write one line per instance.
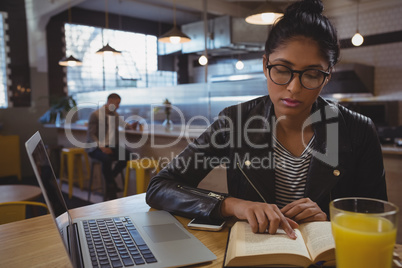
(348, 160)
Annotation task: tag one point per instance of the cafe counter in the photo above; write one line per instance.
(153, 141)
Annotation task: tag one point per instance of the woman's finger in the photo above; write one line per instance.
(283, 223)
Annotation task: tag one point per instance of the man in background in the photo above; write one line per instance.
(103, 128)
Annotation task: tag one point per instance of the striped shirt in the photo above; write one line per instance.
(290, 173)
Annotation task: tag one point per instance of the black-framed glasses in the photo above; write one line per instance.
(309, 78)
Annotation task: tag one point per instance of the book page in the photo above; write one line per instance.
(231, 250)
(318, 237)
(249, 243)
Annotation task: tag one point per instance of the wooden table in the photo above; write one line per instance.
(19, 192)
(36, 243)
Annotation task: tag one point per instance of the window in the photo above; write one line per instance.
(3, 63)
(135, 67)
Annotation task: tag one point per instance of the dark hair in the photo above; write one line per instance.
(305, 18)
(113, 96)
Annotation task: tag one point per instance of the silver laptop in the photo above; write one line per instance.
(147, 239)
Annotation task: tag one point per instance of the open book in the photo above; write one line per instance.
(314, 244)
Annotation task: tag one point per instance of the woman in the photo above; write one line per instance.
(287, 154)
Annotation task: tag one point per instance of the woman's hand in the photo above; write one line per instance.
(304, 210)
(260, 216)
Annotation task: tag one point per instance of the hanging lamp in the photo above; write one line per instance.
(357, 39)
(203, 60)
(266, 14)
(107, 49)
(174, 36)
(71, 60)
(239, 65)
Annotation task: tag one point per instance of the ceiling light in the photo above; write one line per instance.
(266, 14)
(357, 39)
(174, 36)
(203, 60)
(70, 61)
(239, 65)
(107, 49)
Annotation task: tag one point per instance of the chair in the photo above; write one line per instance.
(73, 157)
(141, 166)
(16, 211)
(94, 163)
(10, 160)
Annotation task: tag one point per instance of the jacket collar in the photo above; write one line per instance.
(331, 146)
(332, 151)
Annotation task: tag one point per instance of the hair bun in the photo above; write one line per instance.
(305, 6)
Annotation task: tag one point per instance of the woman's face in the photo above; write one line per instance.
(293, 99)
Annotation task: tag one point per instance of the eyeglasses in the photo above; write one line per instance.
(309, 78)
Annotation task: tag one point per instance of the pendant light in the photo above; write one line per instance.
(71, 60)
(203, 60)
(266, 14)
(357, 39)
(174, 36)
(239, 65)
(107, 49)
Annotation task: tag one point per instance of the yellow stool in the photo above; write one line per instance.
(143, 178)
(74, 162)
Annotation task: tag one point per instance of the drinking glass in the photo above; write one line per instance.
(364, 231)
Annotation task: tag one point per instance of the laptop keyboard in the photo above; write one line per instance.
(115, 242)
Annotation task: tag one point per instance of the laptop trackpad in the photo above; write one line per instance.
(165, 232)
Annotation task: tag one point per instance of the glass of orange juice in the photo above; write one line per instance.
(364, 231)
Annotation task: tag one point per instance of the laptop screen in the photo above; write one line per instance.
(54, 199)
(47, 180)
(47, 177)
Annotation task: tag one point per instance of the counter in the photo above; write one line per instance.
(389, 149)
(179, 131)
(392, 156)
(154, 141)
(187, 133)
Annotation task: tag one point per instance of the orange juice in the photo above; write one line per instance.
(363, 241)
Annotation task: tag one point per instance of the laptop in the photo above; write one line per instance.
(145, 239)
